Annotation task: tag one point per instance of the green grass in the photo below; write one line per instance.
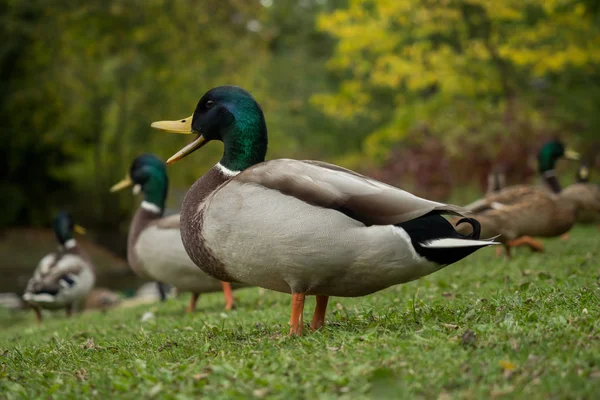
(484, 327)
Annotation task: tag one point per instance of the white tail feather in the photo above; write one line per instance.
(39, 298)
(446, 243)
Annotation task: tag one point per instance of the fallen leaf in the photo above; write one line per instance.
(450, 326)
(444, 396)
(468, 338)
(167, 345)
(81, 374)
(148, 315)
(88, 344)
(156, 389)
(203, 375)
(507, 365)
(497, 392)
(260, 393)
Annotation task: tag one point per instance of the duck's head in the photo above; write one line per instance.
(583, 174)
(64, 227)
(147, 174)
(551, 152)
(228, 114)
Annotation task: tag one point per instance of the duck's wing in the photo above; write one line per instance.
(505, 197)
(56, 272)
(585, 195)
(330, 186)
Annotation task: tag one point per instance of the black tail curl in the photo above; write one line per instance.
(474, 224)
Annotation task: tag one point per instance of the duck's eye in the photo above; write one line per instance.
(209, 104)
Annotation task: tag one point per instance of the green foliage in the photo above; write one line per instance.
(344, 81)
(85, 80)
(481, 328)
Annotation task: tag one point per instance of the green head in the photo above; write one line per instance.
(63, 227)
(148, 174)
(550, 153)
(228, 114)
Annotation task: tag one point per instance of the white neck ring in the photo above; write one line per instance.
(153, 208)
(226, 171)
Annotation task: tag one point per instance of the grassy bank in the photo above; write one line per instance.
(483, 327)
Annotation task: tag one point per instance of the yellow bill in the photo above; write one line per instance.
(79, 229)
(572, 155)
(190, 148)
(182, 126)
(125, 183)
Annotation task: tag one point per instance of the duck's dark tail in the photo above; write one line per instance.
(434, 238)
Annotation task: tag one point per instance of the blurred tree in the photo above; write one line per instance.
(473, 71)
(341, 80)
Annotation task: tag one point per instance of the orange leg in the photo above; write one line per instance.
(564, 236)
(192, 305)
(507, 251)
(296, 321)
(228, 292)
(319, 316)
(533, 244)
(498, 251)
(38, 314)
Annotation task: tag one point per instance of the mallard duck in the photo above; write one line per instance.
(548, 156)
(303, 227)
(519, 213)
(154, 248)
(62, 279)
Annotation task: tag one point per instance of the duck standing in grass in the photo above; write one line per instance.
(519, 213)
(303, 227)
(62, 279)
(154, 248)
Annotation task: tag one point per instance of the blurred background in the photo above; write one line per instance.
(427, 95)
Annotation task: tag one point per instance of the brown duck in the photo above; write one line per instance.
(587, 194)
(519, 213)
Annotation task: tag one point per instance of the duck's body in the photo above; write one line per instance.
(322, 230)
(155, 251)
(588, 195)
(303, 227)
(518, 213)
(154, 247)
(537, 213)
(62, 279)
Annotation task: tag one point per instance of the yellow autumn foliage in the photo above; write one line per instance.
(481, 50)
